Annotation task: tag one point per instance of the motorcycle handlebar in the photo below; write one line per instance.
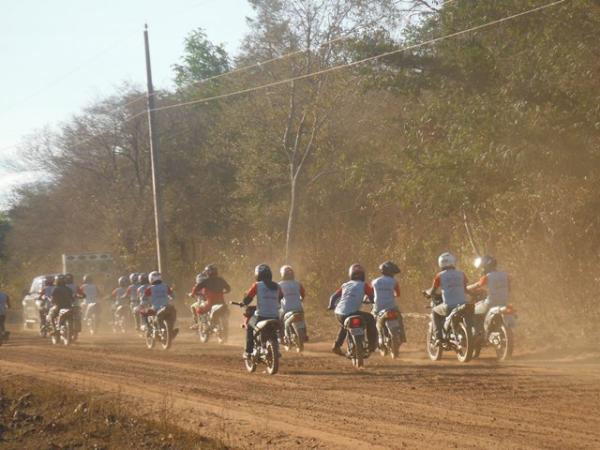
(240, 304)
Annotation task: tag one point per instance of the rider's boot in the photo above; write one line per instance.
(337, 350)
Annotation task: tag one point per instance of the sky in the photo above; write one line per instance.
(59, 56)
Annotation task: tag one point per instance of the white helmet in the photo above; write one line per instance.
(446, 259)
(154, 277)
(286, 271)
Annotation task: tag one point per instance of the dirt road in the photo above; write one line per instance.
(318, 400)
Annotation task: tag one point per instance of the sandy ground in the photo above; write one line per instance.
(538, 400)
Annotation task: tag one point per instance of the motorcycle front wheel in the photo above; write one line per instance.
(433, 351)
(250, 364)
(272, 357)
(92, 324)
(395, 347)
(505, 349)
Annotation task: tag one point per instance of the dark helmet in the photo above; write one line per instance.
(49, 280)
(87, 279)
(389, 268)
(356, 272)
(123, 281)
(211, 270)
(142, 278)
(59, 280)
(486, 263)
(69, 278)
(262, 272)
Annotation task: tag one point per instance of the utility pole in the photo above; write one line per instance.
(161, 255)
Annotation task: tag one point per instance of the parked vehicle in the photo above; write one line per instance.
(294, 331)
(32, 315)
(391, 332)
(457, 332)
(214, 322)
(266, 344)
(65, 332)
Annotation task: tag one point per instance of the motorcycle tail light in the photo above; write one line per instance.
(355, 322)
(392, 315)
(298, 317)
(509, 309)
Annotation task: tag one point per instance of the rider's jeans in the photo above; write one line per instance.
(250, 331)
(381, 319)
(369, 321)
(439, 314)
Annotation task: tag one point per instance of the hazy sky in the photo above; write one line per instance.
(60, 55)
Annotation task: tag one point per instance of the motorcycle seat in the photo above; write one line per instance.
(266, 323)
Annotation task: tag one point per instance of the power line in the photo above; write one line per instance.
(260, 64)
(358, 62)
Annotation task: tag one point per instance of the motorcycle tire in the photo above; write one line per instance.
(272, 358)
(504, 352)
(476, 352)
(203, 332)
(150, 339)
(395, 347)
(66, 337)
(434, 352)
(357, 354)
(167, 335)
(91, 322)
(466, 354)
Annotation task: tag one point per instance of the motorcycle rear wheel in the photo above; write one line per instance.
(92, 324)
(272, 358)
(166, 339)
(465, 354)
(505, 350)
(356, 354)
(66, 337)
(433, 351)
(250, 364)
(150, 340)
(395, 347)
(203, 332)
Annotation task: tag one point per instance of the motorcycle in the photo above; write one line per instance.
(495, 329)
(119, 323)
(294, 331)
(391, 332)
(358, 348)
(159, 328)
(43, 308)
(92, 317)
(213, 322)
(266, 344)
(63, 324)
(457, 331)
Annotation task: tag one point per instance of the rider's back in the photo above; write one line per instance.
(385, 288)
(452, 285)
(353, 293)
(498, 288)
(62, 297)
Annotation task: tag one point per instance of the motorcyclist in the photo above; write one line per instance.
(293, 294)
(62, 298)
(213, 288)
(199, 296)
(90, 294)
(119, 294)
(387, 290)
(70, 283)
(497, 285)
(45, 298)
(142, 304)
(268, 297)
(451, 285)
(4, 305)
(347, 301)
(132, 294)
(160, 296)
